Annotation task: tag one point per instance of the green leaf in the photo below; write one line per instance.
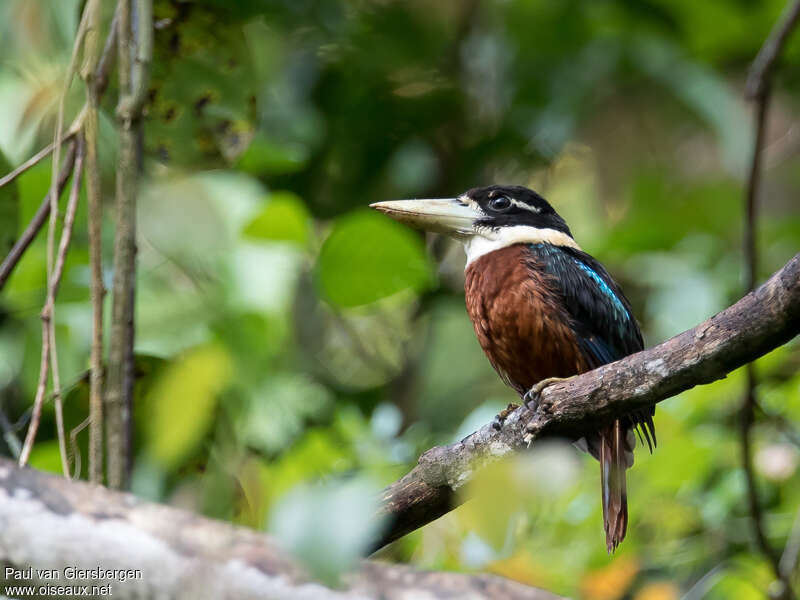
(368, 257)
(202, 97)
(183, 401)
(9, 210)
(46, 456)
(285, 218)
(266, 157)
(277, 414)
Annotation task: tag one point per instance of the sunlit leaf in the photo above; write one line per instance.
(202, 96)
(319, 453)
(266, 157)
(183, 401)
(46, 456)
(277, 412)
(284, 218)
(368, 257)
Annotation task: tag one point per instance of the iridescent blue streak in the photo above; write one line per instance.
(603, 286)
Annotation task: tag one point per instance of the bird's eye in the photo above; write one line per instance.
(500, 203)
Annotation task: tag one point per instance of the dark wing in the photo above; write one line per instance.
(603, 321)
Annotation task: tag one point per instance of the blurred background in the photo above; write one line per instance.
(296, 352)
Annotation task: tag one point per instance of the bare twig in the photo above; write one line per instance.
(91, 44)
(757, 324)
(21, 245)
(751, 195)
(48, 326)
(75, 449)
(53, 273)
(133, 81)
(58, 138)
(41, 215)
(758, 80)
(750, 399)
(116, 411)
(66, 238)
(104, 66)
(38, 401)
(107, 58)
(101, 67)
(745, 443)
(133, 89)
(33, 161)
(92, 73)
(758, 90)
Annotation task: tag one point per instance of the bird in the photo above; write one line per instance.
(543, 310)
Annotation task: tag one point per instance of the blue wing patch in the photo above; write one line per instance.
(604, 287)
(601, 317)
(602, 320)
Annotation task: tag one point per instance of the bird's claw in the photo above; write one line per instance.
(531, 399)
(534, 395)
(501, 417)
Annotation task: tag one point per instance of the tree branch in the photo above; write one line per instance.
(50, 304)
(134, 42)
(49, 359)
(39, 219)
(36, 158)
(95, 77)
(50, 523)
(759, 85)
(757, 324)
(758, 78)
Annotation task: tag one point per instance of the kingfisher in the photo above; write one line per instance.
(543, 310)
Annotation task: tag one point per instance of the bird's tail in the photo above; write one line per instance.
(616, 456)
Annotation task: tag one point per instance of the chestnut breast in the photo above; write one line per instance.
(518, 315)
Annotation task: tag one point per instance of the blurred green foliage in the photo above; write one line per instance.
(295, 351)
(9, 209)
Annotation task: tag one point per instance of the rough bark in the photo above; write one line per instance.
(135, 47)
(759, 322)
(91, 75)
(50, 523)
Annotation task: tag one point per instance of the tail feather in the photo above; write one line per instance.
(615, 458)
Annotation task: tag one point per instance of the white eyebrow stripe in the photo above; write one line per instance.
(525, 206)
(475, 204)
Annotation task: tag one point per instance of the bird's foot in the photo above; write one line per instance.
(533, 395)
(501, 417)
